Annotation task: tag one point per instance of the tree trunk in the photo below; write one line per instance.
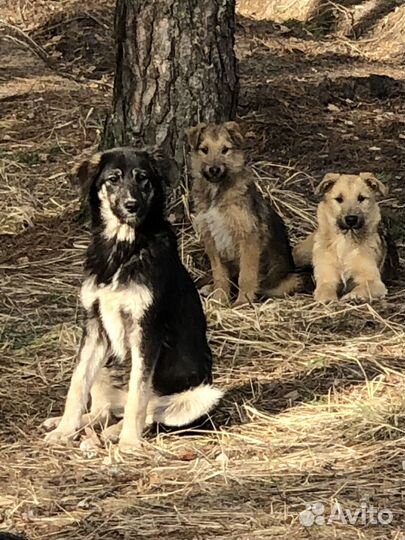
(175, 66)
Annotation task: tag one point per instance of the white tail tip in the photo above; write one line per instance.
(185, 407)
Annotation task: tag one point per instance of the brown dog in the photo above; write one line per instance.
(244, 238)
(349, 244)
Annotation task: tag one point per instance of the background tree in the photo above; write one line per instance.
(175, 66)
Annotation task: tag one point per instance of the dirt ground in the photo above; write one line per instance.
(314, 413)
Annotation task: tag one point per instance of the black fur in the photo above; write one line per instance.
(277, 248)
(391, 262)
(174, 341)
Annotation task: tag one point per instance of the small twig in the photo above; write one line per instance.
(97, 20)
(12, 33)
(341, 8)
(15, 34)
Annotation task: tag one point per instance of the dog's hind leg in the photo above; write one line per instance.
(87, 419)
(105, 400)
(302, 252)
(92, 355)
(112, 433)
(289, 285)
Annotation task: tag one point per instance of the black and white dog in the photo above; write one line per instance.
(141, 308)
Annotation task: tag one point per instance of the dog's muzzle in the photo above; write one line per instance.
(214, 173)
(130, 211)
(131, 207)
(351, 222)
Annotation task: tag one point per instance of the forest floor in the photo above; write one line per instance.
(314, 413)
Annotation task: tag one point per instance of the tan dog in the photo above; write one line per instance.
(244, 238)
(348, 244)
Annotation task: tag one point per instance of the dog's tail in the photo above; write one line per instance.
(185, 407)
(299, 280)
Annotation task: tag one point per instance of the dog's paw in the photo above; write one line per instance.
(358, 296)
(242, 300)
(130, 446)
(366, 293)
(325, 294)
(58, 437)
(354, 296)
(112, 433)
(378, 290)
(51, 423)
(219, 295)
(206, 290)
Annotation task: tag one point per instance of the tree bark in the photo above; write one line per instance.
(175, 66)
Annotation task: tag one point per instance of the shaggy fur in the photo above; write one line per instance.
(244, 238)
(349, 247)
(143, 313)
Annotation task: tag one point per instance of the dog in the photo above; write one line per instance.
(244, 237)
(142, 310)
(351, 248)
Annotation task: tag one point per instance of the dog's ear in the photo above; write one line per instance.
(84, 174)
(374, 184)
(327, 183)
(235, 133)
(165, 167)
(194, 135)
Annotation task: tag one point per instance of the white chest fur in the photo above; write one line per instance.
(344, 249)
(115, 303)
(215, 221)
(347, 252)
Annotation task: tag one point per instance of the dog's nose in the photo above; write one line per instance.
(352, 220)
(131, 206)
(214, 170)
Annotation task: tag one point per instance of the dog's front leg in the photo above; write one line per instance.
(326, 274)
(139, 393)
(248, 270)
(219, 271)
(92, 355)
(367, 277)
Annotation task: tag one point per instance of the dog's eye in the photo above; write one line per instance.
(361, 198)
(143, 181)
(225, 149)
(113, 179)
(339, 199)
(204, 149)
(142, 178)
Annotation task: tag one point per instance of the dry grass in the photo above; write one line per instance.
(314, 410)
